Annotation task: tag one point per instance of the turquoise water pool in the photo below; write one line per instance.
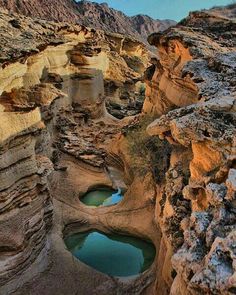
(102, 197)
(115, 255)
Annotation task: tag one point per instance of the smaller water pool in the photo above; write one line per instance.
(115, 255)
(102, 197)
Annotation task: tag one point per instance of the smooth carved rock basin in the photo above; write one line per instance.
(115, 255)
(102, 197)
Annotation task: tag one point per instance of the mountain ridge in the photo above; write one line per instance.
(90, 14)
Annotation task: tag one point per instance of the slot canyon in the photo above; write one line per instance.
(151, 129)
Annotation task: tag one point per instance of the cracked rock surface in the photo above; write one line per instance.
(198, 55)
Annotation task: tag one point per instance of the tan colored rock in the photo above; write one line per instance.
(205, 126)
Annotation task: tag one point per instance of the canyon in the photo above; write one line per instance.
(74, 118)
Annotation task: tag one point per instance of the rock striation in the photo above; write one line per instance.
(26, 205)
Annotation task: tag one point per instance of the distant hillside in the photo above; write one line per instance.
(108, 19)
(225, 11)
(90, 14)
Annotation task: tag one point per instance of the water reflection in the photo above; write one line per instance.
(115, 255)
(102, 197)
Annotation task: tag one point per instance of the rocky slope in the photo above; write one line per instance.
(58, 10)
(90, 14)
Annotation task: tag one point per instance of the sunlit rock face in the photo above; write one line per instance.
(73, 58)
(192, 91)
(166, 89)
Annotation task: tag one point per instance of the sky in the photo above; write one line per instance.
(162, 9)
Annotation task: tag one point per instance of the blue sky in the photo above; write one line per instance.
(162, 9)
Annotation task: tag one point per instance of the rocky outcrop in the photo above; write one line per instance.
(169, 84)
(192, 90)
(90, 14)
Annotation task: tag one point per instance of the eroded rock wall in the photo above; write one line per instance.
(26, 205)
(74, 58)
(192, 90)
